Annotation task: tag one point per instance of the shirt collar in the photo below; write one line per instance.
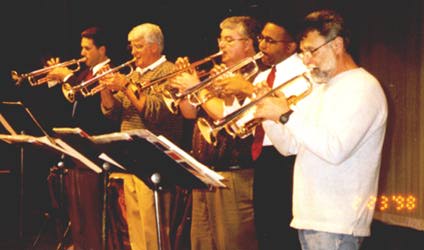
(152, 66)
(100, 65)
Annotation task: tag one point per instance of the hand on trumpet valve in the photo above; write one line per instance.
(57, 74)
(114, 81)
(234, 85)
(53, 61)
(270, 108)
(218, 68)
(183, 81)
(261, 89)
(183, 63)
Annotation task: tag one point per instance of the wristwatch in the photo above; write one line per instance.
(284, 118)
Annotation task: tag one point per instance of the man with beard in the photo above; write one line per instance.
(337, 132)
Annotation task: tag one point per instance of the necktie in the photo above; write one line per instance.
(89, 75)
(259, 131)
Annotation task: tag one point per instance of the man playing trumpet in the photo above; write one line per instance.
(86, 113)
(134, 108)
(85, 207)
(222, 218)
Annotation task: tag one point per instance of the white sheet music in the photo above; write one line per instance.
(202, 172)
(77, 155)
(199, 167)
(60, 146)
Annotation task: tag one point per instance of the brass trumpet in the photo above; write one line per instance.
(37, 77)
(172, 99)
(147, 84)
(241, 122)
(70, 91)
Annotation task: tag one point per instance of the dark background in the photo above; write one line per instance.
(33, 31)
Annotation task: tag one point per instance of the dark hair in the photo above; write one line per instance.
(287, 19)
(328, 23)
(98, 36)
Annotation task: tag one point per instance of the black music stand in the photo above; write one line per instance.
(155, 160)
(16, 119)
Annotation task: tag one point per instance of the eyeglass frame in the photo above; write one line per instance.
(270, 40)
(230, 40)
(311, 52)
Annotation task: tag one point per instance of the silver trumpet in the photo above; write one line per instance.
(91, 86)
(241, 122)
(172, 99)
(142, 85)
(38, 77)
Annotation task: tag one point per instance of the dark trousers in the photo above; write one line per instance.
(84, 193)
(272, 199)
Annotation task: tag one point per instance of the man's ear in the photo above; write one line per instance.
(102, 49)
(250, 44)
(291, 47)
(155, 48)
(338, 44)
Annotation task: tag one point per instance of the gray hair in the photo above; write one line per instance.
(245, 25)
(151, 33)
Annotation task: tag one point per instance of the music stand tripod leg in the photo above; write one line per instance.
(59, 215)
(21, 192)
(155, 178)
(106, 168)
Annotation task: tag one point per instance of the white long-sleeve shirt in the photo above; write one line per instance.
(337, 133)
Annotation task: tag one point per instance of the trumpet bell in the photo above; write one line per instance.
(169, 99)
(241, 123)
(207, 131)
(68, 92)
(38, 77)
(244, 126)
(16, 77)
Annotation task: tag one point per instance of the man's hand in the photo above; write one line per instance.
(57, 74)
(271, 108)
(114, 81)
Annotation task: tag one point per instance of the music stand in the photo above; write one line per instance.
(17, 118)
(160, 165)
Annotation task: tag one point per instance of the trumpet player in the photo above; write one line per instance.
(272, 171)
(337, 132)
(223, 218)
(123, 101)
(85, 207)
(86, 113)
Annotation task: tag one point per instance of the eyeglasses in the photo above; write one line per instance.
(310, 53)
(269, 40)
(135, 46)
(229, 39)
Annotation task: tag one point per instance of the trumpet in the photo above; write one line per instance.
(147, 84)
(241, 122)
(70, 91)
(37, 77)
(172, 99)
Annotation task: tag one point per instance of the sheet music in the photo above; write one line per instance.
(77, 155)
(199, 170)
(64, 130)
(108, 159)
(125, 136)
(60, 146)
(199, 167)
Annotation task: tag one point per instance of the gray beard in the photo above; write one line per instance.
(319, 76)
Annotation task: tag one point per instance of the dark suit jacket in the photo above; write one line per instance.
(87, 114)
